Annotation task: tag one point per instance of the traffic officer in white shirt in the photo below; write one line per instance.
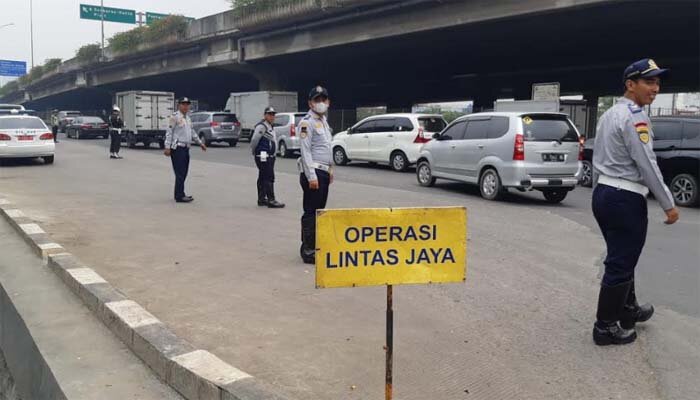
(315, 167)
(624, 171)
(178, 138)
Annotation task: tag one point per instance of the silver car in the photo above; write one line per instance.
(285, 130)
(501, 150)
(217, 126)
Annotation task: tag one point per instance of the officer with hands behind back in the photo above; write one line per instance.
(263, 143)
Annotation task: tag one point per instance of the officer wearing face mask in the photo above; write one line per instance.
(315, 167)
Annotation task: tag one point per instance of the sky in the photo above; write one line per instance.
(59, 31)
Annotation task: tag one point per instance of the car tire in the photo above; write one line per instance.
(339, 156)
(684, 188)
(283, 150)
(398, 161)
(586, 173)
(424, 174)
(131, 141)
(146, 144)
(233, 143)
(48, 159)
(555, 196)
(490, 185)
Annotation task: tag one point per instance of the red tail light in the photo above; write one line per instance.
(519, 148)
(581, 142)
(420, 138)
(213, 124)
(237, 123)
(85, 126)
(104, 126)
(46, 136)
(5, 137)
(292, 131)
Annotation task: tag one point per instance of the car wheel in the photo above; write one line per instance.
(555, 196)
(131, 141)
(339, 156)
(146, 143)
(586, 173)
(684, 188)
(398, 161)
(425, 174)
(48, 159)
(490, 185)
(233, 143)
(283, 149)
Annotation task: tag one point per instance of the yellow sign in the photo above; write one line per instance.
(390, 246)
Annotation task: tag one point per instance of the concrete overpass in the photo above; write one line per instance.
(398, 53)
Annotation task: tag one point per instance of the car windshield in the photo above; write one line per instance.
(225, 118)
(548, 128)
(91, 120)
(21, 123)
(432, 124)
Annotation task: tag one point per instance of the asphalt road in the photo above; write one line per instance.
(668, 273)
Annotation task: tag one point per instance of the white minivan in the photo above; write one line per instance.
(395, 139)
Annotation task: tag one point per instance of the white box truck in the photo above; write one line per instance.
(145, 115)
(249, 107)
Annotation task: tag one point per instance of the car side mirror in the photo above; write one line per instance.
(349, 131)
(436, 136)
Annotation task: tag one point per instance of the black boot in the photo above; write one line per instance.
(308, 238)
(270, 191)
(611, 302)
(262, 199)
(633, 312)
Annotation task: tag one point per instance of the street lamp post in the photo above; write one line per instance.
(31, 28)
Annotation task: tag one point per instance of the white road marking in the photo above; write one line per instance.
(210, 367)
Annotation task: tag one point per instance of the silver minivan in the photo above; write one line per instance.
(285, 130)
(216, 126)
(501, 150)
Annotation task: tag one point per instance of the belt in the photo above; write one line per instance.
(322, 167)
(182, 145)
(623, 184)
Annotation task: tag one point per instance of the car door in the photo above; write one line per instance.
(442, 148)
(467, 152)
(668, 135)
(357, 141)
(281, 128)
(381, 140)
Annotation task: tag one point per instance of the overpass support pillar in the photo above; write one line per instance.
(592, 108)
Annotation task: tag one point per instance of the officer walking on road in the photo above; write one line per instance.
(178, 138)
(625, 170)
(315, 167)
(115, 133)
(263, 143)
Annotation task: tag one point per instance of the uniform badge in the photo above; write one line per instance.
(304, 130)
(319, 125)
(652, 65)
(643, 131)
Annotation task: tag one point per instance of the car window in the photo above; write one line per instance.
(21, 123)
(477, 129)
(691, 129)
(455, 131)
(667, 130)
(281, 120)
(498, 127)
(365, 127)
(432, 124)
(224, 118)
(547, 128)
(403, 124)
(383, 125)
(298, 118)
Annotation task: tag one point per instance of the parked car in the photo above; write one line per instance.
(395, 139)
(677, 149)
(586, 178)
(217, 126)
(87, 127)
(65, 118)
(501, 150)
(25, 136)
(286, 132)
(10, 108)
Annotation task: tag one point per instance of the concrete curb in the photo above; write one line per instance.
(196, 374)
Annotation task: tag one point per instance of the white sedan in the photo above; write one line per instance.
(25, 136)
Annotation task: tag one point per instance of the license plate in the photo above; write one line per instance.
(25, 137)
(553, 157)
(227, 127)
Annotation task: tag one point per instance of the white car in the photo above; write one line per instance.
(25, 136)
(395, 139)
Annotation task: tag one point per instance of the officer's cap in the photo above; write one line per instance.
(184, 100)
(270, 110)
(318, 91)
(645, 68)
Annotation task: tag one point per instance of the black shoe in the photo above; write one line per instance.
(186, 199)
(262, 202)
(274, 204)
(112, 156)
(611, 333)
(308, 241)
(308, 256)
(633, 312)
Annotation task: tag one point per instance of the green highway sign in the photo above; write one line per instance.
(152, 17)
(110, 14)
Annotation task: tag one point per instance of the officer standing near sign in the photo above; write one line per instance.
(315, 167)
(263, 143)
(625, 170)
(178, 138)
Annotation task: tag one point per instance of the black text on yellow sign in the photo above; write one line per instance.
(390, 246)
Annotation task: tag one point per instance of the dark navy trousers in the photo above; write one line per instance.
(622, 218)
(180, 158)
